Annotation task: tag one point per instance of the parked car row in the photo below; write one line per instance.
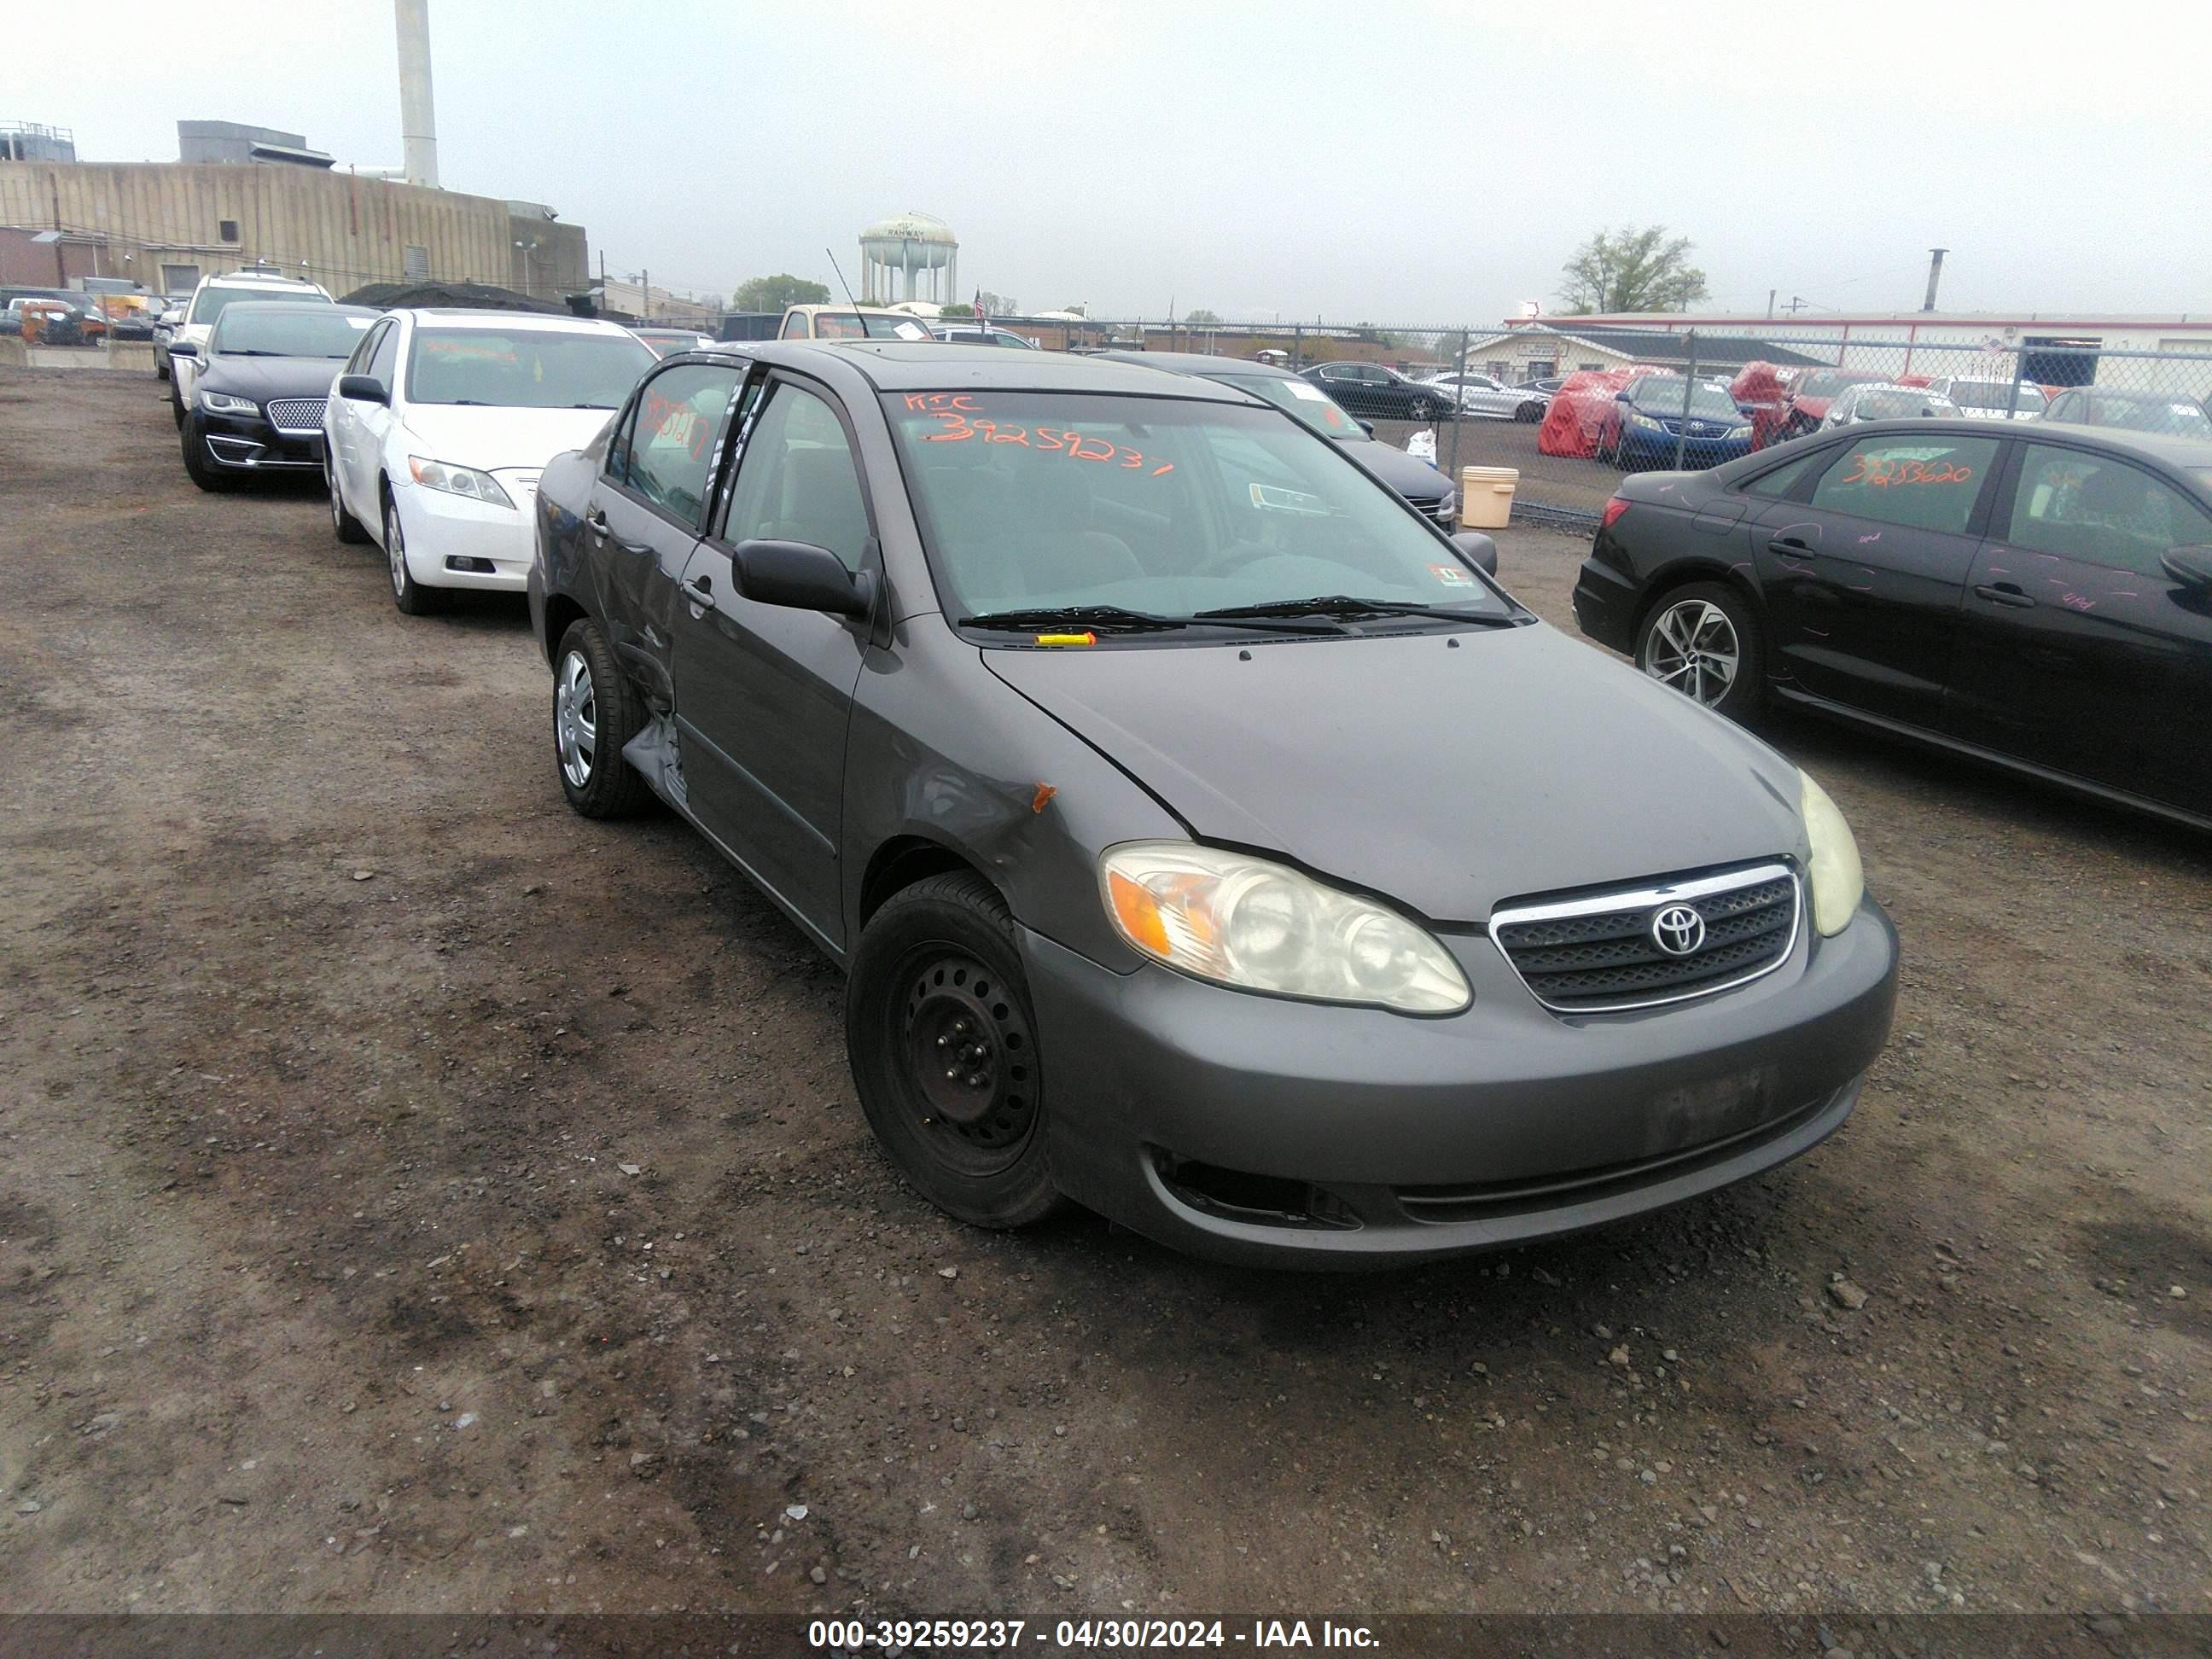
(958, 652)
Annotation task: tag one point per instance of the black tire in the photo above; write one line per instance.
(937, 974)
(160, 368)
(1423, 409)
(343, 524)
(176, 404)
(591, 729)
(1529, 413)
(202, 472)
(1678, 616)
(413, 598)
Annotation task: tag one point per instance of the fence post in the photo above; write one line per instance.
(1297, 347)
(1458, 413)
(2019, 370)
(1689, 386)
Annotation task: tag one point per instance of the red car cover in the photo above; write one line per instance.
(1581, 411)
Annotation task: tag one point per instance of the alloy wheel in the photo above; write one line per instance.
(1693, 647)
(575, 719)
(337, 502)
(969, 1060)
(395, 549)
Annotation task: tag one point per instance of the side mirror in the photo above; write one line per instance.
(184, 348)
(2189, 566)
(804, 577)
(1368, 427)
(361, 388)
(1481, 550)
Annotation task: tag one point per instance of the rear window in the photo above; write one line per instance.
(1998, 394)
(209, 303)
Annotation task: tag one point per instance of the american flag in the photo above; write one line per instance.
(979, 305)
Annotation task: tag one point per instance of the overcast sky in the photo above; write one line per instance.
(1386, 160)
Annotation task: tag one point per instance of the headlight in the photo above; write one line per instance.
(1838, 881)
(222, 403)
(1256, 926)
(1641, 419)
(1739, 434)
(459, 481)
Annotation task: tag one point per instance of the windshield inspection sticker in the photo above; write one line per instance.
(1452, 576)
(1312, 394)
(1273, 498)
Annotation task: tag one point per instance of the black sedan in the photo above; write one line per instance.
(1107, 727)
(2036, 596)
(257, 404)
(1433, 495)
(1371, 389)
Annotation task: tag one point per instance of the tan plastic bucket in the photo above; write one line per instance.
(1486, 497)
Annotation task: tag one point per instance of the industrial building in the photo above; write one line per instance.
(241, 196)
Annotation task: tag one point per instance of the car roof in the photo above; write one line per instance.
(269, 308)
(941, 365)
(2181, 452)
(463, 317)
(2116, 395)
(255, 279)
(1197, 362)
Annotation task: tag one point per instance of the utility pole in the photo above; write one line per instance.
(1771, 293)
(1935, 276)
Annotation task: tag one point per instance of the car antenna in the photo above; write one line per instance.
(841, 283)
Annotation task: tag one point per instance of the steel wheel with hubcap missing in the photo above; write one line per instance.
(943, 1043)
(1702, 642)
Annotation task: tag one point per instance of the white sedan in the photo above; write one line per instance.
(1484, 395)
(1877, 402)
(434, 435)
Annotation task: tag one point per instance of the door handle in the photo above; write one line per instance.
(1792, 545)
(703, 582)
(596, 519)
(2005, 594)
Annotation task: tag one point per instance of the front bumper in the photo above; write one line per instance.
(1658, 449)
(1199, 1115)
(455, 542)
(249, 443)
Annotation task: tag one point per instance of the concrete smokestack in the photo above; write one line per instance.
(418, 115)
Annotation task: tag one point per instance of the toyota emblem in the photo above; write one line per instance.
(1678, 930)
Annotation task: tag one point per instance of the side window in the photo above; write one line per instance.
(2066, 406)
(797, 481)
(1916, 481)
(671, 449)
(795, 326)
(358, 363)
(1783, 479)
(2100, 511)
(618, 446)
(384, 362)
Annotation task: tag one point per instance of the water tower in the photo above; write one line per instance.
(896, 251)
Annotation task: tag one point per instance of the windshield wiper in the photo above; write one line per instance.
(1119, 619)
(252, 352)
(591, 406)
(1344, 605)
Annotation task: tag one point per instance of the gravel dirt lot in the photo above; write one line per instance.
(416, 1197)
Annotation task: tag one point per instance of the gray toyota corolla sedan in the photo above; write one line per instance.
(1204, 838)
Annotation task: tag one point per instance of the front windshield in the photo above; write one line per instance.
(1304, 399)
(1034, 500)
(524, 368)
(1660, 394)
(293, 331)
(1998, 394)
(211, 302)
(867, 326)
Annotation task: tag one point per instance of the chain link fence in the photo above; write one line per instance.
(1572, 410)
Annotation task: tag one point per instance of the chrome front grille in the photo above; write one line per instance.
(1665, 941)
(297, 414)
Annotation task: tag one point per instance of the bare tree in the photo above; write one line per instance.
(1629, 270)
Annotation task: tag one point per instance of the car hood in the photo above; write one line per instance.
(263, 378)
(490, 439)
(1445, 777)
(1417, 480)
